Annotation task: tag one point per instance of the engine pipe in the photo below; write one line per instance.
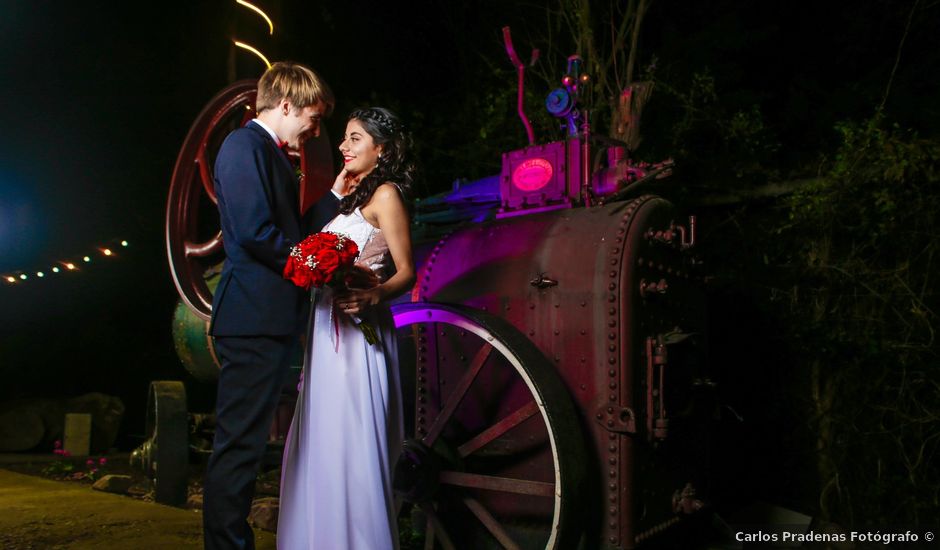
(520, 68)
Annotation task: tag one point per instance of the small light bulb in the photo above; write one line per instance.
(107, 252)
(123, 243)
(11, 280)
(23, 276)
(86, 259)
(70, 265)
(40, 274)
(55, 269)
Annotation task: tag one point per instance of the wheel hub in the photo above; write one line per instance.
(417, 472)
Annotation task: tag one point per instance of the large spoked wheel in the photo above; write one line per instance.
(164, 456)
(193, 236)
(497, 458)
(193, 233)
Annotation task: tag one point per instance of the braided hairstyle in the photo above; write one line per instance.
(394, 164)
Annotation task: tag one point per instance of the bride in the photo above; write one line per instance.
(336, 483)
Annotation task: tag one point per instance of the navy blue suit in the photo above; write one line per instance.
(257, 316)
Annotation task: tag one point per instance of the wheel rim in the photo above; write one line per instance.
(501, 447)
(164, 457)
(193, 233)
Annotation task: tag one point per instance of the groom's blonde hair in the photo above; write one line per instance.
(298, 83)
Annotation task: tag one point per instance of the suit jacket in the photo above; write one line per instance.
(258, 199)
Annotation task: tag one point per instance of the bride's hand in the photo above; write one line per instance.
(354, 302)
(361, 277)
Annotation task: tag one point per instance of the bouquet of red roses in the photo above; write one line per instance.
(325, 258)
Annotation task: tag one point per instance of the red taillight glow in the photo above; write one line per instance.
(532, 174)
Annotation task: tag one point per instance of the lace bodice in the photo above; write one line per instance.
(373, 250)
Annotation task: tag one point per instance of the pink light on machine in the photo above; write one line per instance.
(532, 174)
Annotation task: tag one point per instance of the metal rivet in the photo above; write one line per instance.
(583, 303)
(613, 448)
(557, 305)
(583, 332)
(612, 262)
(612, 372)
(600, 416)
(557, 332)
(613, 385)
(613, 273)
(612, 336)
(531, 333)
(613, 486)
(612, 436)
(612, 347)
(531, 306)
(613, 397)
(612, 460)
(610, 410)
(611, 360)
(612, 297)
(613, 498)
(612, 473)
(613, 512)
(612, 323)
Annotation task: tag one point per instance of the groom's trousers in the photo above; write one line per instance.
(254, 369)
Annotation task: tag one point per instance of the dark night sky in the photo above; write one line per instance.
(99, 96)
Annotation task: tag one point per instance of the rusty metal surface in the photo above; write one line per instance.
(589, 286)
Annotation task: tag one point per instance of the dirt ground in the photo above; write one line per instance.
(45, 506)
(46, 501)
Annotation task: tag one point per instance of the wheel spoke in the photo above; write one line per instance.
(438, 528)
(490, 523)
(429, 535)
(201, 250)
(494, 483)
(519, 416)
(457, 395)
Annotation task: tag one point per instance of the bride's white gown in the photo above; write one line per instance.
(336, 480)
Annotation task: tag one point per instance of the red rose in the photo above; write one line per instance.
(319, 259)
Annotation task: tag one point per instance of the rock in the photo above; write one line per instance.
(106, 414)
(20, 430)
(264, 514)
(194, 502)
(113, 483)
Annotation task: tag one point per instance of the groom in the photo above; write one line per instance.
(257, 315)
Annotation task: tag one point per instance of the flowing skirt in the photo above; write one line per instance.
(336, 479)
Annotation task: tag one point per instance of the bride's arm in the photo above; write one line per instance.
(388, 211)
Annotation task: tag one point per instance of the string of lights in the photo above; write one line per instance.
(21, 276)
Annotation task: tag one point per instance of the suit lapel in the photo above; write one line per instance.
(284, 176)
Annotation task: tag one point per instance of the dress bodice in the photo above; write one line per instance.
(373, 250)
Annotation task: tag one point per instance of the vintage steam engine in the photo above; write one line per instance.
(553, 344)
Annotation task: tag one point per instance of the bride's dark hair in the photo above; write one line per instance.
(394, 164)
